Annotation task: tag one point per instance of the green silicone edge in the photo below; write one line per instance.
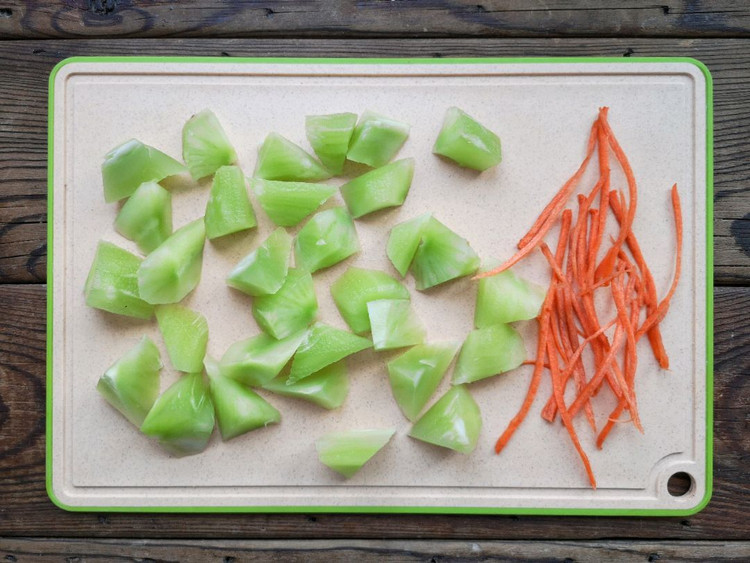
(397, 509)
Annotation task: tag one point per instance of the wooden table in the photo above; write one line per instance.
(37, 34)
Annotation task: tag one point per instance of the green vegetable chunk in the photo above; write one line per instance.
(441, 256)
(416, 373)
(288, 203)
(112, 283)
(452, 422)
(257, 360)
(205, 146)
(347, 452)
(322, 346)
(327, 388)
(182, 419)
(394, 324)
(383, 187)
(404, 240)
(376, 139)
(228, 209)
(329, 137)
(356, 287)
(146, 217)
(185, 334)
(131, 384)
(290, 309)
(505, 298)
(489, 351)
(326, 239)
(238, 409)
(263, 271)
(173, 270)
(468, 143)
(281, 159)
(132, 163)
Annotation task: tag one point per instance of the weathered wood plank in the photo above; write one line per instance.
(367, 551)
(24, 67)
(367, 18)
(25, 509)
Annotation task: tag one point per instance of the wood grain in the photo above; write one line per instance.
(25, 66)
(25, 509)
(368, 18)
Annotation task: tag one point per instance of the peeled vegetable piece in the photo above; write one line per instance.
(322, 346)
(327, 388)
(263, 271)
(441, 256)
(416, 373)
(376, 139)
(326, 239)
(288, 203)
(131, 384)
(347, 452)
(112, 283)
(173, 270)
(394, 324)
(489, 351)
(205, 146)
(182, 419)
(185, 334)
(505, 298)
(452, 422)
(257, 360)
(146, 217)
(356, 287)
(290, 309)
(132, 163)
(404, 240)
(377, 189)
(468, 143)
(228, 209)
(281, 159)
(329, 137)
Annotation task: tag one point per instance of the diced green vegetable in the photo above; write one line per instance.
(288, 203)
(394, 324)
(281, 159)
(489, 351)
(182, 419)
(416, 373)
(257, 360)
(404, 240)
(376, 139)
(205, 146)
(322, 346)
(228, 209)
(441, 256)
(383, 187)
(356, 287)
(452, 422)
(505, 298)
(326, 239)
(468, 143)
(185, 334)
(263, 271)
(131, 384)
(329, 137)
(112, 283)
(173, 270)
(327, 388)
(146, 217)
(290, 309)
(347, 452)
(132, 163)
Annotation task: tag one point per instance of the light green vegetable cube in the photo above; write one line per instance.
(228, 209)
(467, 142)
(322, 346)
(489, 351)
(281, 159)
(453, 422)
(288, 203)
(263, 271)
(326, 239)
(185, 334)
(327, 388)
(383, 187)
(376, 139)
(205, 146)
(394, 324)
(146, 217)
(290, 309)
(442, 256)
(257, 360)
(505, 298)
(347, 452)
(403, 241)
(329, 136)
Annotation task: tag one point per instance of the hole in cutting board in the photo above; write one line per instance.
(679, 484)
